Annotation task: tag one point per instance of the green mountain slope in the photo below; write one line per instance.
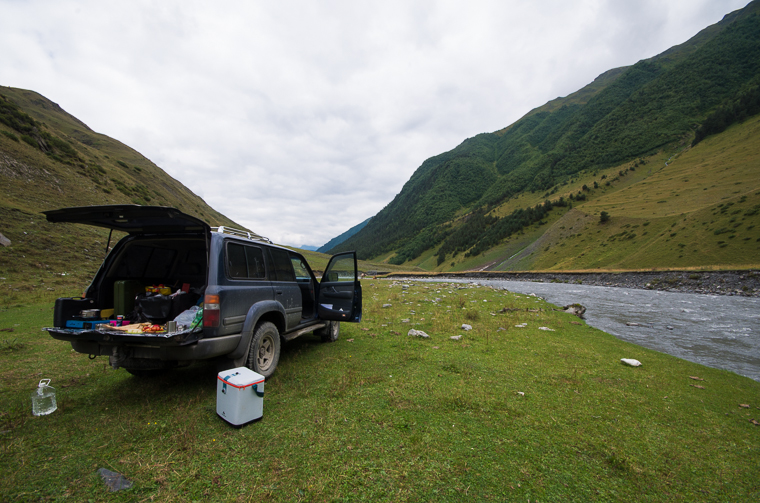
(325, 248)
(457, 202)
(48, 160)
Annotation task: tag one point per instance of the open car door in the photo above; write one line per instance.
(340, 292)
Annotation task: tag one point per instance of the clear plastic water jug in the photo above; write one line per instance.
(43, 399)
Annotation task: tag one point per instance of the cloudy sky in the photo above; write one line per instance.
(301, 119)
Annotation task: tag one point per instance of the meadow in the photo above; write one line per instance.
(531, 404)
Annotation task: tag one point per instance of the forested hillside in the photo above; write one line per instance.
(463, 201)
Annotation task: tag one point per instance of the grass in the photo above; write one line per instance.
(505, 413)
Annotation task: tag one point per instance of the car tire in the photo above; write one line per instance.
(331, 332)
(264, 352)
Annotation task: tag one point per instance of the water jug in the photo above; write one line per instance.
(43, 399)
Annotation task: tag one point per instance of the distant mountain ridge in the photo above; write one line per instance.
(456, 202)
(325, 248)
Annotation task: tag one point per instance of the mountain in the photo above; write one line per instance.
(498, 193)
(309, 247)
(325, 248)
(50, 159)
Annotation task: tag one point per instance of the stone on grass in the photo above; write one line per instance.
(114, 481)
(631, 362)
(418, 333)
(466, 327)
(387, 305)
(455, 337)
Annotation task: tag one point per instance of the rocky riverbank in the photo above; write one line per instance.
(744, 283)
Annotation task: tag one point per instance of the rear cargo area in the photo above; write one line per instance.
(144, 279)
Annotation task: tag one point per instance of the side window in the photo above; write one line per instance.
(302, 272)
(341, 269)
(245, 262)
(255, 259)
(236, 266)
(282, 266)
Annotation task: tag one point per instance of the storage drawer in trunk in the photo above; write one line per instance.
(67, 308)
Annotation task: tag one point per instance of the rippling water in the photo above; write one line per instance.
(714, 330)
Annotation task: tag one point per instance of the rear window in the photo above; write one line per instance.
(245, 262)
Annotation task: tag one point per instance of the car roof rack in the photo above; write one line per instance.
(237, 232)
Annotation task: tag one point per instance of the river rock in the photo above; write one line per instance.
(576, 309)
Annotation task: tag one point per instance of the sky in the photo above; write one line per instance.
(298, 119)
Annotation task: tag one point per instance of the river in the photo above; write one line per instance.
(715, 330)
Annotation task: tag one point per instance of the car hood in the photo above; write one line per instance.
(131, 218)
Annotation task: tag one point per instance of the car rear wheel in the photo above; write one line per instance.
(264, 352)
(330, 332)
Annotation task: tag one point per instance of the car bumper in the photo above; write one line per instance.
(178, 347)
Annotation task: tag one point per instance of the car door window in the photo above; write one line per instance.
(341, 269)
(302, 273)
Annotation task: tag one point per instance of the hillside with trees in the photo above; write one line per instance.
(469, 201)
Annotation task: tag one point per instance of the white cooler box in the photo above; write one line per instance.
(240, 396)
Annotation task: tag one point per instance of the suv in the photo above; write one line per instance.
(254, 294)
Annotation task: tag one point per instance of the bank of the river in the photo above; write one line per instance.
(745, 283)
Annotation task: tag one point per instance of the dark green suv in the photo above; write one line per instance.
(253, 294)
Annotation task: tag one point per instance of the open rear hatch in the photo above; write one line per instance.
(131, 218)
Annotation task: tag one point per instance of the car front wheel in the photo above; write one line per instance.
(264, 352)
(330, 332)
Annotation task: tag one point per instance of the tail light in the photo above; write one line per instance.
(211, 311)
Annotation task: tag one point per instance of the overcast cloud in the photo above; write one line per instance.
(301, 119)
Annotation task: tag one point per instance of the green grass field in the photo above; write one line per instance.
(504, 414)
